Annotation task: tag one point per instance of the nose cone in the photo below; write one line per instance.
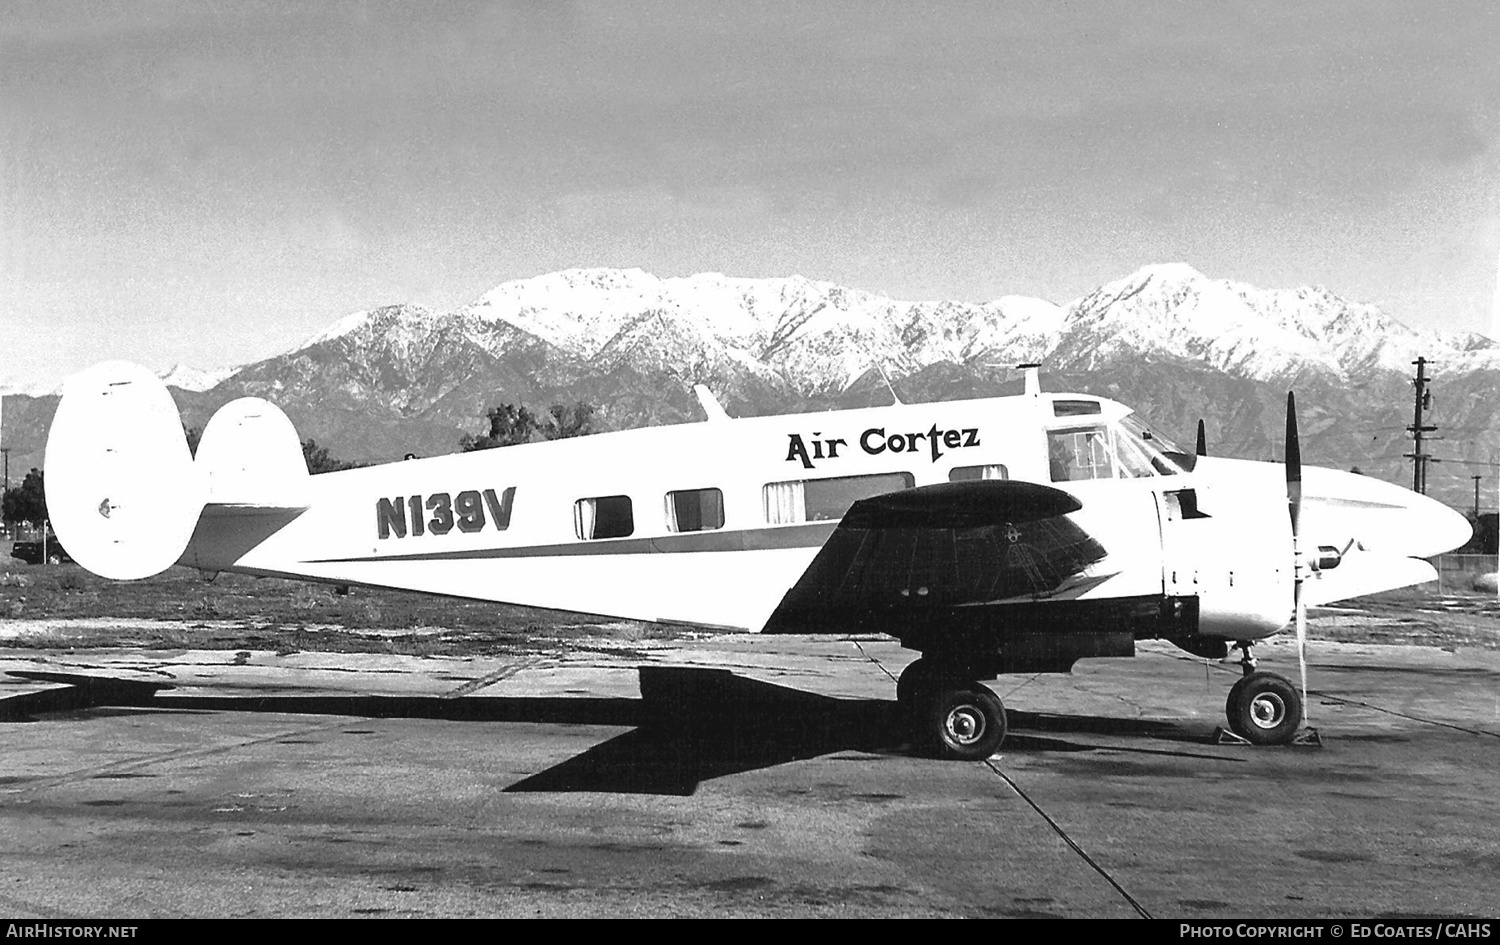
(1339, 507)
(1444, 529)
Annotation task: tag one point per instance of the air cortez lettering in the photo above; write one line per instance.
(466, 511)
(875, 441)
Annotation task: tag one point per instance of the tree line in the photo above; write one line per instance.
(510, 425)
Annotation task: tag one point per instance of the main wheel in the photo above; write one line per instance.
(966, 723)
(915, 678)
(1264, 709)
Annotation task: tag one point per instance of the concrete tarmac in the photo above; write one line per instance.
(734, 776)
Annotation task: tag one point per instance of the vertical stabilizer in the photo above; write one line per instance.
(122, 492)
(250, 456)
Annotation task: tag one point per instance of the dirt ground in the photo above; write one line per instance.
(65, 606)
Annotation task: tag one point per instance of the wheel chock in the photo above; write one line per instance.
(1307, 738)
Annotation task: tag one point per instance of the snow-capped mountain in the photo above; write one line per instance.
(13, 388)
(819, 337)
(187, 377)
(1166, 339)
(814, 337)
(181, 376)
(1174, 311)
(791, 332)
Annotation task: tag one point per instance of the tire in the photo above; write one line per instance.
(1264, 709)
(914, 679)
(963, 723)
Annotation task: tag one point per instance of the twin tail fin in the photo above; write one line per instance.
(124, 493)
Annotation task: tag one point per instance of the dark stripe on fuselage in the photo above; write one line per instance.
(809, 535)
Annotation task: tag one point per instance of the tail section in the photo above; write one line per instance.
(127, 498)
(122, 491)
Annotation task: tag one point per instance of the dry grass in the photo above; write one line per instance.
(1420, 616)
(239, 612)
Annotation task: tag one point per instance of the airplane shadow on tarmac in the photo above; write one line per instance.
(690, 724)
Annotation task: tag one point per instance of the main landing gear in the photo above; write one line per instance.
(950, 715)
(1263, 708)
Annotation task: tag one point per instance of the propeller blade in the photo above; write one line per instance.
(1294, 507)
(1301, 609)
(1202, 447)
(1293, 466)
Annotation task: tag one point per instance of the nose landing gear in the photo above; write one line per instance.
(1263, 708)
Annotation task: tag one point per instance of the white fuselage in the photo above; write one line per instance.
(711, 523)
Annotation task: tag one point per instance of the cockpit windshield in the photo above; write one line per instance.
(1124, 449)
(1144, 452)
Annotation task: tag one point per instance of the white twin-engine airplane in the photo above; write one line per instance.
(1007, 535)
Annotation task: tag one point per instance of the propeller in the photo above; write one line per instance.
(1202, 447)
(1294, 507)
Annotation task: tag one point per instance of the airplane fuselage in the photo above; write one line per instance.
(711, 523)
(1013, 534)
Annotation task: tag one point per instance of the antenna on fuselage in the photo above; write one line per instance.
(1033, 378)
(888, 385)
(710, 403)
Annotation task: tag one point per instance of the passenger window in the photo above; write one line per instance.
(1079, 454)
(821, 500)
(695, 510)
(967, 473)
(605, 517)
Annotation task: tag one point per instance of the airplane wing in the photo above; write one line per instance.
(915, 552)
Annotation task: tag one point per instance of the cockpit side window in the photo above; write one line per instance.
(1080, 453)
(1144, 452)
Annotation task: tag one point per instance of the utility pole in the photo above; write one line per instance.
(1417, 428)
(1476, 499)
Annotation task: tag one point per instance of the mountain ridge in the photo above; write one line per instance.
(1166, 339)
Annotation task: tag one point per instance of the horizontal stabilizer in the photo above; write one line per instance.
(123, 494)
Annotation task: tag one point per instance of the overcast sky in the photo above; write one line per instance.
(213, 181)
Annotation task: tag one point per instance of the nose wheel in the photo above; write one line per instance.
(950, 717)
(1264, 709)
